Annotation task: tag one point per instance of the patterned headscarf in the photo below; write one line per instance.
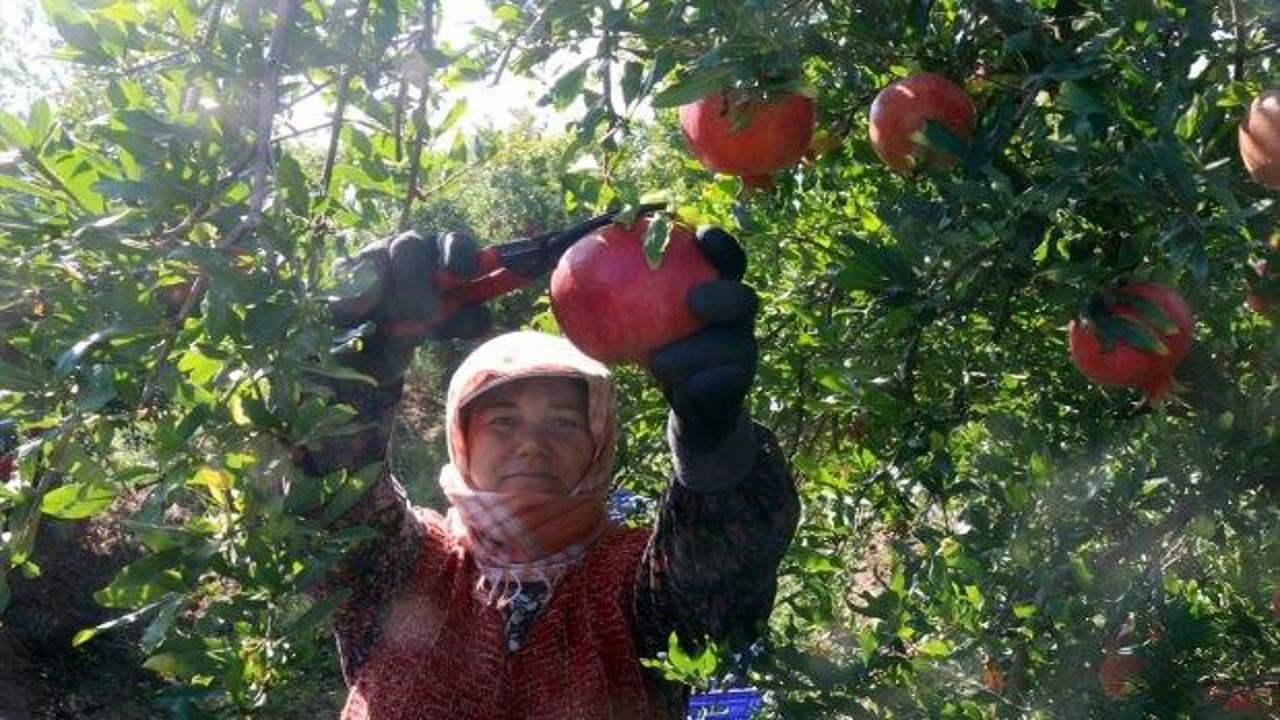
(516, 537)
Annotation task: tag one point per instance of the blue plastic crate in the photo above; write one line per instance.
(737, 704)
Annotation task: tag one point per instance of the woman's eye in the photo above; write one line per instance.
(502, 421)
(568, 422)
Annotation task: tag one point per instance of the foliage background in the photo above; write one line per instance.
(980, 523)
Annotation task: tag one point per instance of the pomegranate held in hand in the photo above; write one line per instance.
(1259, 138)
(751, 139)
(613, 306)
(903, 108)
(1119, 363)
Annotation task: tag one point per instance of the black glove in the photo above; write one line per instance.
(391, 283)
(705, 376)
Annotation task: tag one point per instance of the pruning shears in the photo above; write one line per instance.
(510, 266)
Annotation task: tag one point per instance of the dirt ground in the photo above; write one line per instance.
(41, 676)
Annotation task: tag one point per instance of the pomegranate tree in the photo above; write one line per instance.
(613, 305)
(732, 134)
(902, 109)
(1135, 335)
(1259, 138)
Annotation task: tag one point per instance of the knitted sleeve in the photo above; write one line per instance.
(373, 571)
(710, 569)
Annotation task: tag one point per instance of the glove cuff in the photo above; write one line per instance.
(716, 466)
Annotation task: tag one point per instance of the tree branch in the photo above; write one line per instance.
(420, 114)
(33, 159)
(268, 98)
(192, 94)
(344, 86)
(1237, 19)
(515, 40)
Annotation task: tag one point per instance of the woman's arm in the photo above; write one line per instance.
(390, 286)
(710, 569)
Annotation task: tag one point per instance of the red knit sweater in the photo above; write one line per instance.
(440, 652)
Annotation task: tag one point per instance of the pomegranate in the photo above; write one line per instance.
(1243, 702)
(993, 678)
(1259, 138)
(899, 114)
(1255, 296)
(749, 138)
(1118, 673)
(174, 294)
(1119, 363)
(614, 306)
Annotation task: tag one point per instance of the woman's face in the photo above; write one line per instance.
(530, 435)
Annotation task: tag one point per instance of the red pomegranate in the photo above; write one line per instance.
(1259, 138)
(1253, 298)
(614, 306)
(1123, 364)
(1119, 674)
(749, 138)
(901, 110)
(1243, 702)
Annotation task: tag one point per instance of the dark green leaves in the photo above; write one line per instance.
(873, 268)
(1114, 328)
(693, 86)
(568, 87)
(656, 236)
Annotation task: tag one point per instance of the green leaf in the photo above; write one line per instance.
(632, 82)
(38, 120)
(455, 114)
(70, 359)
(873, 268)
(693, 86)
(940, 137)
(98, 389)
(200, 368)
(1150, 312)
(19, 379)
(656, 237)
(294, 185)
(317, 613)
(188, 657)
(14, 132)
(936, 648)
(87, 634)
(1115, 328)
(217, 481)
(146, 580)
(82, 37)
(77, 501)
(567, 88)
(172, 438)
(338, 372)
(159, 627)
(507, 13)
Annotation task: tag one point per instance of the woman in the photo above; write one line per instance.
(523, 600)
